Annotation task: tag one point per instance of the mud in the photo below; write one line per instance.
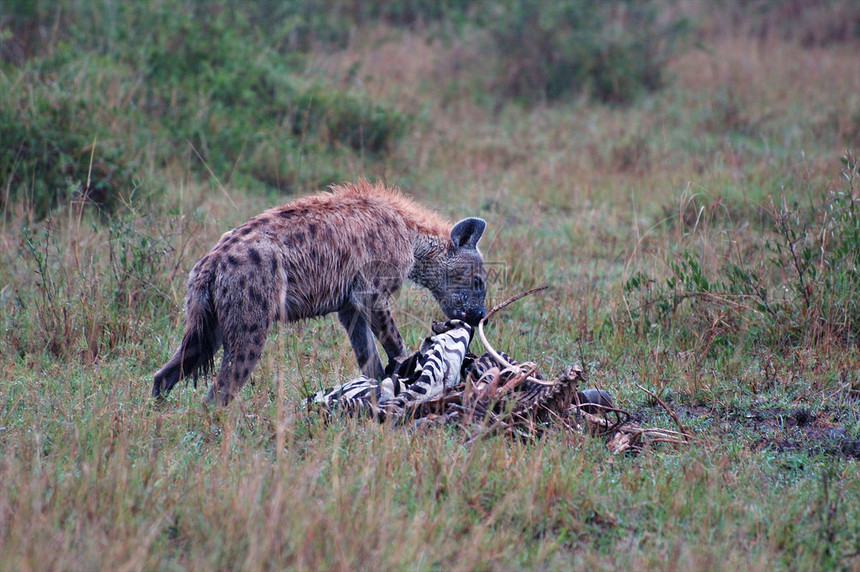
(783, 430)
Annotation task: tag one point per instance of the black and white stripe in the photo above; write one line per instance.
(421, 378)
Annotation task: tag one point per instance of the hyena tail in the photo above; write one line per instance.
(200, 341)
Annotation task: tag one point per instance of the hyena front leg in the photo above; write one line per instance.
(361, 339)
(242, 348)
(383, 327)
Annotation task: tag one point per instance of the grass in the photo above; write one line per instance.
(606, 204)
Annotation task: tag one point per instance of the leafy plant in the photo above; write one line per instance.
(83, 303)
(49, 149)
(551, 50)
(805, 287)
(213, 85)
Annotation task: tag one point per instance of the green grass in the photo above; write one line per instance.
(639, 218)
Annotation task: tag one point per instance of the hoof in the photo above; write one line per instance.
(596, 397)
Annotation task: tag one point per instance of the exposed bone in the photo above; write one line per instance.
(498, 395)
(502, 361)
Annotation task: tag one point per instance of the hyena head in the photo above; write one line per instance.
(454, 272)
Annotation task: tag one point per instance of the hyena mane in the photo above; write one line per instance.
(345, 251)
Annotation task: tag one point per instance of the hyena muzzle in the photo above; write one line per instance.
(345, 251)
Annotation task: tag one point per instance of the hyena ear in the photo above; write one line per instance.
(467, 232)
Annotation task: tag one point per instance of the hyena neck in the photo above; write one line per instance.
(428, 246)
(427, 249)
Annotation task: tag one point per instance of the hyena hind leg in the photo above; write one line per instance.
(241, 353)
(193, 357)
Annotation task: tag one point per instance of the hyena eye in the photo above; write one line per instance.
(478, 283)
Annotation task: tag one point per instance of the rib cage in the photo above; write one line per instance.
(442, 380)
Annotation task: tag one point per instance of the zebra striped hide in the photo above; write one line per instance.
(443, 382)
(420, 378)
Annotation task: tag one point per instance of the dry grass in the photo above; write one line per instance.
(579, 196)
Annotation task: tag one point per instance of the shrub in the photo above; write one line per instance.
(50, 146)
(800, 285)
(811, 24)
(188, 74)
(614, 51)
(338, 118)
(220, 84)
(84, 290)
(410, 13)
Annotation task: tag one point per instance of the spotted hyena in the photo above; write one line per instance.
(343, 251)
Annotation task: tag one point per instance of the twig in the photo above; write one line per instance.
(684, 432)
(513, 299)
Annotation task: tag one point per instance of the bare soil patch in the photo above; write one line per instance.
(786, 430)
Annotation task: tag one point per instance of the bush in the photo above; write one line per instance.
(613, 51)
(338, 118)
(214, 76)
(74, 301)
(817, 24)
(409, 13)
(801, 285)
(51, 146)
(219, 83)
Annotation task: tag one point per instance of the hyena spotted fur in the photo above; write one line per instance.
(343, 251)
